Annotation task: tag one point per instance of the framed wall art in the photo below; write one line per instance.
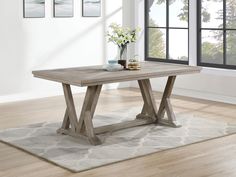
(91, 8)
(34, 8)
(63, 8)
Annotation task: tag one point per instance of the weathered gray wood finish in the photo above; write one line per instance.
(166, 106)
(94, 77)
(149, 108)
(84, 127)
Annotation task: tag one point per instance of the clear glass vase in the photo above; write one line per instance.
(122, 55)
(122, 52)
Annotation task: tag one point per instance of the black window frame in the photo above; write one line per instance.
(199, 38)
(146, 36)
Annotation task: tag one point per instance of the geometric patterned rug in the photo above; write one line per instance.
(78, 155)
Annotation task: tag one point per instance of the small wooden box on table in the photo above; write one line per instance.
(93, 77)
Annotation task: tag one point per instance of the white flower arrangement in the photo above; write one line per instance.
(122, 36)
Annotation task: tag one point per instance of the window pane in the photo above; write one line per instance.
(231, 47)
(157, 13)
(178, 44)
(157, 43)
(231, 14)
(178, 13)
(212, 14)
(212, 46)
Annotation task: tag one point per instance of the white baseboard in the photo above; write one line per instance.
(197, 94)
(205, 95)
(57, 92)
(201, 94)
(176, 91)
(28, 96)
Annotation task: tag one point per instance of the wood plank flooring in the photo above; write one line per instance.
(214, 158)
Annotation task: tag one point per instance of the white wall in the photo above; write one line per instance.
(213, 84)
(32, 44)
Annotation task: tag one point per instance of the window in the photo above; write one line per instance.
(217, 33)
(167, 30)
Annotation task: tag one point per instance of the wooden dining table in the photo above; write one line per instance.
(93, 77)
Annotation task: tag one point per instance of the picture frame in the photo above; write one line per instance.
(91, 8)
(33, 8)
(63, 8)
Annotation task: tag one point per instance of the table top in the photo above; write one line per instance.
(95, 75)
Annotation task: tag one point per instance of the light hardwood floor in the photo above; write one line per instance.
(214, 158)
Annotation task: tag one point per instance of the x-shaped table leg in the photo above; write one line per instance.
(87, 113)
(166, 106)
(84, 128)
(149, 110)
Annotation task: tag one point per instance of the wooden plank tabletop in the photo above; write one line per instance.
(95, 75)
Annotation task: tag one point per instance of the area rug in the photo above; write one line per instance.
(78, 155)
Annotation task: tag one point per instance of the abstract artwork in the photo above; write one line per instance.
(34, 8)
(91, 8)
(63, 8)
